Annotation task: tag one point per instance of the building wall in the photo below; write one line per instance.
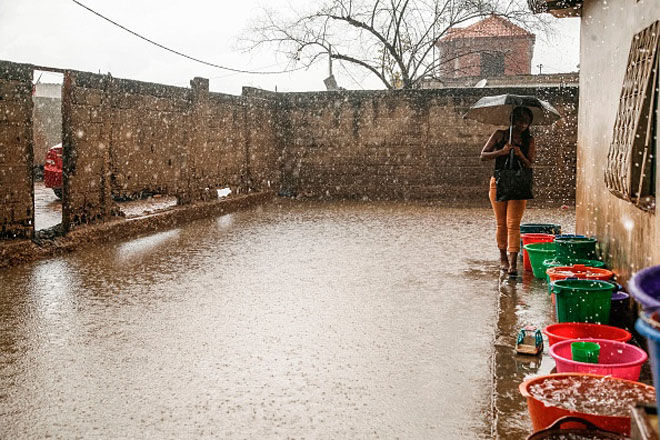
(517, 60)
(16, 192)
(630, 237)
(411, 145)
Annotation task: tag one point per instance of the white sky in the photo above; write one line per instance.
(59, 33)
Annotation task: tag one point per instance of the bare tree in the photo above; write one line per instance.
(393, 39)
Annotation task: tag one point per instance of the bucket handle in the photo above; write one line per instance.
(552, 283)
(556, 426)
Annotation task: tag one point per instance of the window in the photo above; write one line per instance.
(631, 161)
(492, 64)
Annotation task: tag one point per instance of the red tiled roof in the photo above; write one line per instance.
(493, 26)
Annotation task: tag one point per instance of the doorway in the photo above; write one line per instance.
(47, 148)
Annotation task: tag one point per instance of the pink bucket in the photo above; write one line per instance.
(616, 359)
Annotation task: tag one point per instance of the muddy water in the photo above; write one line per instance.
(295, 320)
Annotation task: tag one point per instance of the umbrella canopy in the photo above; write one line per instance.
(496, 110)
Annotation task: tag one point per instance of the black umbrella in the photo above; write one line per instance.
(496, 110)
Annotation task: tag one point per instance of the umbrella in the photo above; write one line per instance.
(496, 110)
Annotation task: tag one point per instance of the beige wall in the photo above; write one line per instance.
(630, 237)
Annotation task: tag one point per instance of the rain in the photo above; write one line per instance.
(337, 219)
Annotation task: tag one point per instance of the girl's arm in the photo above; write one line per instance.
(489, 152)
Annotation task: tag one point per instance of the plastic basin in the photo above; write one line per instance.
(652, 336)
(538, 253)
(576, 247)
(543, 416)
(565, 331)
(572, 262)
(644, 286)
(583, 300)
(578, 271)
(616, 359)
(533, 238)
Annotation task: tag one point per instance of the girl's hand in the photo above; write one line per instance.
(506, 149)
(518, 152)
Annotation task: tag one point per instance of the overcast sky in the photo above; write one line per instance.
(59, 33)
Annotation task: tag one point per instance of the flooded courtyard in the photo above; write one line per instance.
(291, 320)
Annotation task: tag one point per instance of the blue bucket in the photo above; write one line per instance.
(542, 228)
(653, 337)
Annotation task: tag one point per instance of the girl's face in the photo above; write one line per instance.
(521, 122)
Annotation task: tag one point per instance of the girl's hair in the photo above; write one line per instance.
(517, 113)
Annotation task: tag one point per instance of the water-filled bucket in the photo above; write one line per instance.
(616, 359)
(644, 286)
(652, 336)
(544, 411)
(583, 300)
(578, 271)
(576, 247)
(533, 238)
(572, 262)
(538, 253)
(564, 331)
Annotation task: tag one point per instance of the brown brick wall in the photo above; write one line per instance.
(125, 138)
(411, 145)
(16, 191)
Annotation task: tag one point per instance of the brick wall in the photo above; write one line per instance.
(124, 138)
(411, 145)
(16, 192)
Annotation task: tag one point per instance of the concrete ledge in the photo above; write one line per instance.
(15, 252)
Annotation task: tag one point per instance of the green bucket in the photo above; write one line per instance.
(538, 253)
(583, 248)
(583, 300)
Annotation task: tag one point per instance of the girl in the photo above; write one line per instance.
(509, 214)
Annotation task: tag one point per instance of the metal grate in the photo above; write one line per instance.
(629, 157)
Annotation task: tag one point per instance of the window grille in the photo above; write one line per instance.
(631, 159)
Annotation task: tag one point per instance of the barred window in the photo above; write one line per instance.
(631, 162)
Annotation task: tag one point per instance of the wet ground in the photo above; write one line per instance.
(47, 207)
(295, 320)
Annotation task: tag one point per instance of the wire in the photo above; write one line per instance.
(231, 69)
(349, 74)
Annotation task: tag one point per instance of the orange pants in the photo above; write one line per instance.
(508, 215)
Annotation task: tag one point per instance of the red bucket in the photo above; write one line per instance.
(582, 330)
(533, 238)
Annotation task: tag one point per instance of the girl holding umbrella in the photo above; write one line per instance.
(508, 213)
(513, 150)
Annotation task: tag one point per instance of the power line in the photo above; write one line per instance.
(217, 66)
